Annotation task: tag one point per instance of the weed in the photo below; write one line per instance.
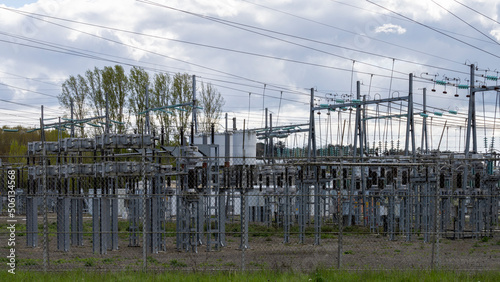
(176, 263)
(152, 260)
(29, 261)
(60, 261)
(89, 262)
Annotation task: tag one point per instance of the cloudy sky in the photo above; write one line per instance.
(264, 54)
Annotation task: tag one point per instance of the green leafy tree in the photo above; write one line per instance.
(96, 97)
(139, 82)
(126, 96)
(161, 97)
(75, 90)
(181, 93)
(17, 153)
(212, 102)
(115, 84)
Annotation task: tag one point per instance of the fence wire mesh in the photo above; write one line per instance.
(195, 212)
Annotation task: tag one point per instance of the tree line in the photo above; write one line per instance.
(14, 144)
(127, 100)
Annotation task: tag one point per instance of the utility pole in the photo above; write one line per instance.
(424, 144)
(195, 119)
(72, 123)
(410, 125)
(471, 118)
(147, 127)
(106, 128)
(311, 152)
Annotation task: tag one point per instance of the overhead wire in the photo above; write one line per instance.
(133, 32)
(472, 9)
(246, 27)
(435, 30)
(138, 48)
(224, 48)
(405, 20)
(462, 20)
(357, 34)
(142, 49)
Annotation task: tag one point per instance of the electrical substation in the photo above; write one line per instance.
(210, 180)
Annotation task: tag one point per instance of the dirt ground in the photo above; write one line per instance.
(358, 251)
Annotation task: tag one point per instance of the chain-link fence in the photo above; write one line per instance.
(186, 209)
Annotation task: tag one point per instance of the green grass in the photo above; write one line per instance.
(328, 231)
(319, 275)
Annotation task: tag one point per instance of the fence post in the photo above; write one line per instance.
(45, 209)
(435, 241)
(244, 227)
(144, 228)
(340, 223)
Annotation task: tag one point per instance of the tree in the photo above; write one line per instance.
(75, 91)
(126, 96)
(138, 83)
(96, 98)
(161, 97)
(115, 84)
(212, 102)
(181, 93)
(17, 153)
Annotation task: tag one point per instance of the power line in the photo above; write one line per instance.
(193, 43)
(405, 20)
(223, 48)
(245, 28)
(135, 47)
(477, 12)
(24, 77)
(227, 49)
(71, 52)
(462, 20)
(25, 105)
(359, 34)
(27, 90)
(434, 29)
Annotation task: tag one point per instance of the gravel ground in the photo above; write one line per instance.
(359, 251)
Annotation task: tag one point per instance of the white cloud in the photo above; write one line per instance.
(390, 28)
(495, 33)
